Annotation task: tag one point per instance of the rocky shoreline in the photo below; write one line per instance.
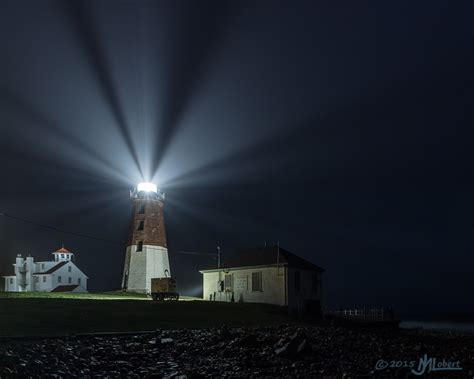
(283, 351)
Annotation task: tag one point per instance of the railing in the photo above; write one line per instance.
(364, 313)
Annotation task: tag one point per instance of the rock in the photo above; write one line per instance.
(302, 347)
(291, 348)
(280, 343)
(248, 341)
(134, 346)
(229, 352)
(8, 370)
(225, 333)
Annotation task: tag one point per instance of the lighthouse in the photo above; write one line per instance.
(147, 253)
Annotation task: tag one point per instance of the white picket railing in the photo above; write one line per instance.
(370, 313)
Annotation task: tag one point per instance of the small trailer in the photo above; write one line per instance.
(164, 289)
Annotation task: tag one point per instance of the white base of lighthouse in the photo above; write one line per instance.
(142, 266)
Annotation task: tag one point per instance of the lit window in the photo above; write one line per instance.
(141, 225)
(141, 209)
(69, 280)
(139, 245)
(59, 279)
(257, 281)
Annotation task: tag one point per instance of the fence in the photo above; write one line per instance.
(364, 313)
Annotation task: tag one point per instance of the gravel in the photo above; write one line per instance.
(284, 351)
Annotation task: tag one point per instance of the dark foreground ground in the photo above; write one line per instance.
(204, 339)
(61, 316)
(272, 351)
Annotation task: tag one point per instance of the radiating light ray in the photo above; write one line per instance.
(81, 19)
(200, 26)
(71, 145)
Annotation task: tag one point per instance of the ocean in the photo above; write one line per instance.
(464, 327)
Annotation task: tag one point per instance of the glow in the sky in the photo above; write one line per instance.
(147, 187)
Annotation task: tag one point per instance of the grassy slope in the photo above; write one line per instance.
(117, 295)
(59, 316)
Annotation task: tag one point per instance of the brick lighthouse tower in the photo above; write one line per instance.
(147, 253)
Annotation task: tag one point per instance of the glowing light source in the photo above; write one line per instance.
(147, 187)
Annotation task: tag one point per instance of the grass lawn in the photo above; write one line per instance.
(113, 295)
(61, 315)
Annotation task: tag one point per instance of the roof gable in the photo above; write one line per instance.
(269, 255)
(62, 250)
(78, 269)
(54, 268)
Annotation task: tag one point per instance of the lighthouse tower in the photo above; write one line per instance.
(147, 254)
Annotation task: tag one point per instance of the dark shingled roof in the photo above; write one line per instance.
(52, 269)
(269, 255)
(67, 288)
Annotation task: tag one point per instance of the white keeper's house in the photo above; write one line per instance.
(269, 275)
(59, 275)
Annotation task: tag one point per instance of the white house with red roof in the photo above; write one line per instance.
(59, 275)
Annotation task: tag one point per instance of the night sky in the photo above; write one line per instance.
(341, 130)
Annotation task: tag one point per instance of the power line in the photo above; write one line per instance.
(81, 235)
(50, 227)
(194, 253)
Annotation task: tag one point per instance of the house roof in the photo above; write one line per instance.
(268, 255)
(66, 288)
(63, 250)
(52, 269)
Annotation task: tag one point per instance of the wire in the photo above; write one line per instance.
(26, 221)
(194, 253)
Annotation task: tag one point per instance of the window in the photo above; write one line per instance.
(44, 278)
(315, 283)
(297, 280)
(141, 209)
(257, 281)
(139, 245)
(59, 279)
(69, 280)
(141, 225)
(69, 269)
(36, 279)
(62, 255)
(42, 266)
(11, 280)
(228, 282)
(79, 281)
